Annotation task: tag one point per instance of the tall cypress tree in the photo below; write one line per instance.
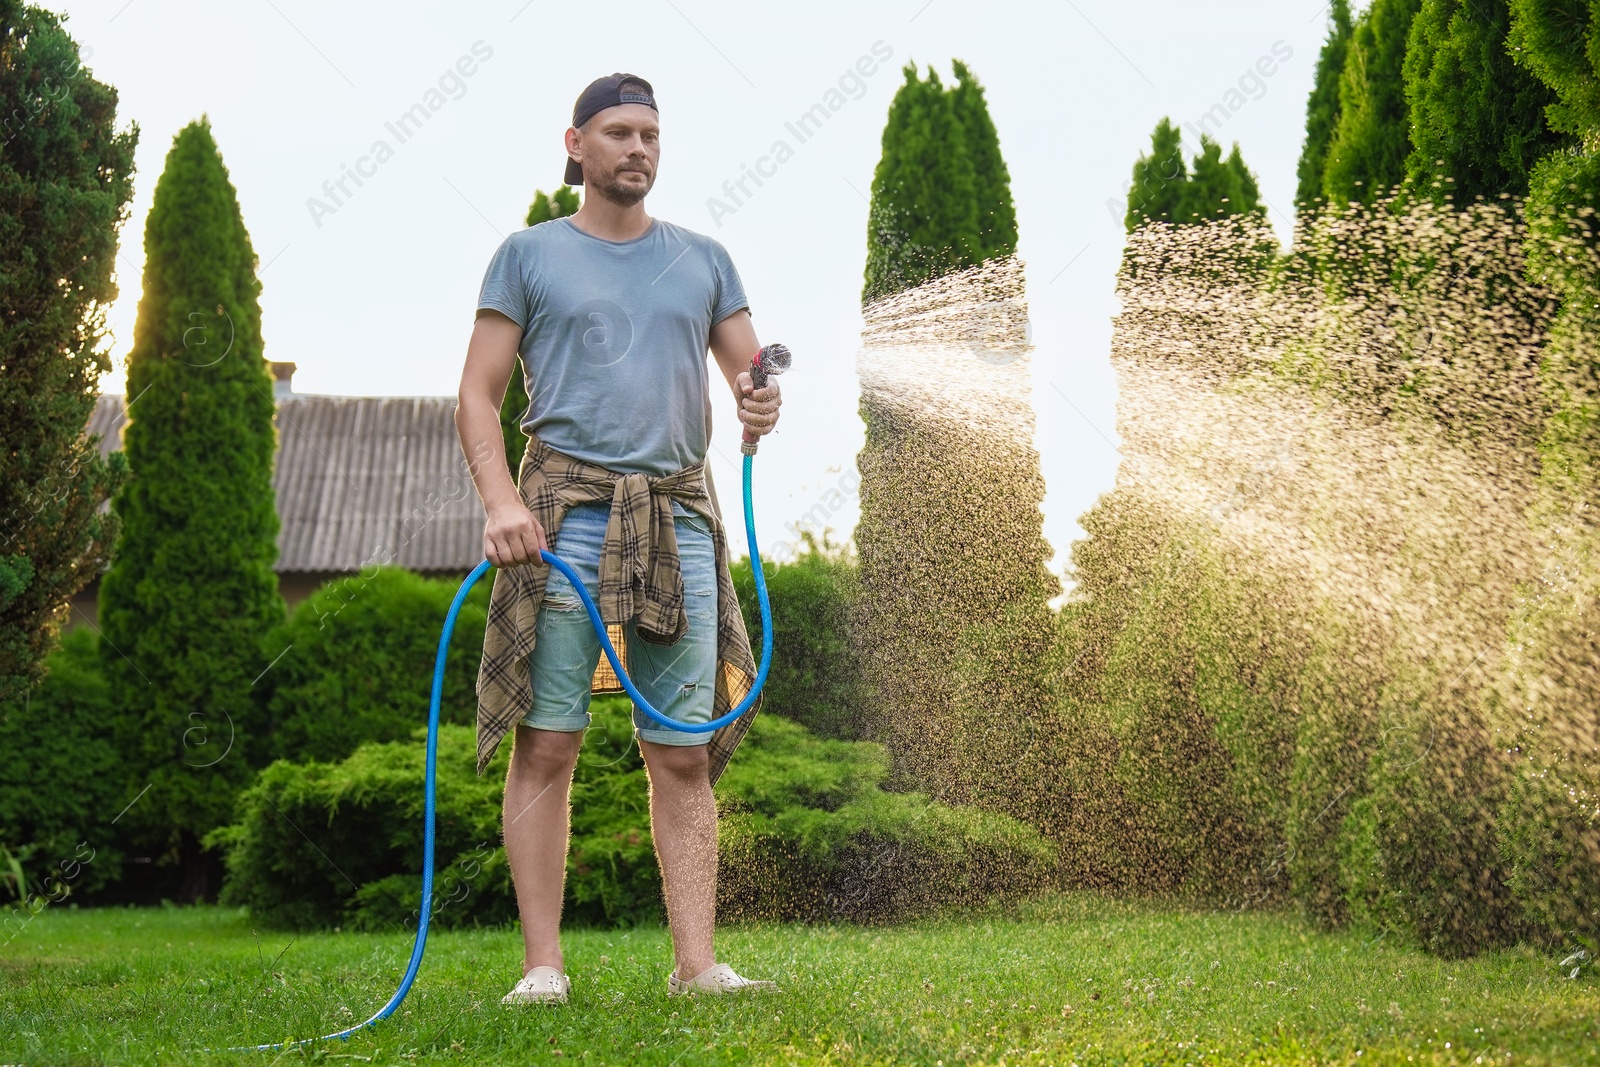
(1555, 40)
(1544, 828)
(953, 620)
(1247, 195)
(1165, 188)
(191, 592)
(1218, 186)
(1476, 117)
(1159, 179)
(1322, 109)
(997, 215)
(564, 201)
(924, 219)
(65, 180)
(1371, 142)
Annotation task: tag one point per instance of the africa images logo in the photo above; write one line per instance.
(450, 85)
(802, 128)
(607, 332)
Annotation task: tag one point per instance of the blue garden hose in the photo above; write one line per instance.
(430, 779)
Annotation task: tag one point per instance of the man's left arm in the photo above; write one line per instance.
(733, 343)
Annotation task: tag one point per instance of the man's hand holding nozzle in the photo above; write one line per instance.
(758, 409)
(760, 397)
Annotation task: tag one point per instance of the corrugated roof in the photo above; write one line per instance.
(360, 480)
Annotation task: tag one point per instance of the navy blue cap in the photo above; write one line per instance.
(602, 93)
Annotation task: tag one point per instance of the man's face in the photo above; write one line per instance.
(621, 148)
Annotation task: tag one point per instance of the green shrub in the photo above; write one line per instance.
(1437, 783)
(805, 832)
(1549, 826)
(808, 834)
(814, 678)
(359, 665)
(612, 878)
(1192, 687)
(1368, 903)
(310, 836)
(60, 785)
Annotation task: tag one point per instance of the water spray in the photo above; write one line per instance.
(770, 360)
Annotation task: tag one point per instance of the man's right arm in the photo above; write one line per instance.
(511, 534)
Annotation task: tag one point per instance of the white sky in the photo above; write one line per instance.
(379, 299)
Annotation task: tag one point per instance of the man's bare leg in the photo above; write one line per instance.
(683, 824)
(537, 821)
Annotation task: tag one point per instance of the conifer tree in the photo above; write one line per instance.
(1544, 828)
(1555, 41)
(1165, 189)
(953, 619)
(1477, 120)
(1322, 109)
(1248, 196)
(65, 179)
(997, 215)
(1370, 145)
(191, 592)
(924, 219)
(564, 201)
(1218, 186)
(1159, 179)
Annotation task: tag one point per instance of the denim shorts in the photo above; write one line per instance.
(679, 680)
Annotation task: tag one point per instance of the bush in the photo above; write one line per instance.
(1435, 795)
(1549, 826)
(359, 665)
(612, 878)
(805, 832)
(61, 782)
(814, 678)
(809, 834)
(310, 837)
(1192, 686)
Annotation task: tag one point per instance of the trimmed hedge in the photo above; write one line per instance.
(60, 781)
(1347, 663)
(814, 678)
(359, 664)
(806, 832)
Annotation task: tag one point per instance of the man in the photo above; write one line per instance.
(611, 312)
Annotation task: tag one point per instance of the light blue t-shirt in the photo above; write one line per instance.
(614, 338)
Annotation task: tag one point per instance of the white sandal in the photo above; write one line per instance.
(538, 986)
(718, 978)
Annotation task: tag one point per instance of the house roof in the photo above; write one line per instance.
(361, 480)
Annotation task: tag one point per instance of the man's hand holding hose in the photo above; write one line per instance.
(512, 536)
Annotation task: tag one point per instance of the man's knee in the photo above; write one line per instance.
(545, 753)
(684, 763)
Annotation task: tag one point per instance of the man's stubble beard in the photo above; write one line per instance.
(614, 190)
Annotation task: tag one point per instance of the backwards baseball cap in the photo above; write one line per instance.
(603, 93)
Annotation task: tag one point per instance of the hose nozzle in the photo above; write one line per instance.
(772, 359)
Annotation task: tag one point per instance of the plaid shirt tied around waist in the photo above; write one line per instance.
(640, 575)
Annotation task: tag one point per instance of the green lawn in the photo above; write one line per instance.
(1071, 979)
